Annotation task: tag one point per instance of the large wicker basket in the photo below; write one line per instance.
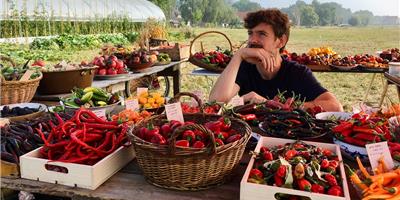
(178, 168)
(17, 91)
(199, 63)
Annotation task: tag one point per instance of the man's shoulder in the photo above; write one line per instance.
(294, 66)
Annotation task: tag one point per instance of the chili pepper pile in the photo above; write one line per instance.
(84, 139)
(19, 138)
(130, 117)
(299, 166)
(209, 108)
(385, 184)
(362, 129)
(294, 124)
(222, 131)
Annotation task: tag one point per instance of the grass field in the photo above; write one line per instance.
(349, 88)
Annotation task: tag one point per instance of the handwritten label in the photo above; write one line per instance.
(237, 101)
(174, 112)
(376, 151)
(132, 104)
(100, 113)
(27, 75)
(140, 91)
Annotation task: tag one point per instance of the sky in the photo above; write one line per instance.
(377, 7)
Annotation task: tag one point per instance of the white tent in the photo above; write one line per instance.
(83, 10)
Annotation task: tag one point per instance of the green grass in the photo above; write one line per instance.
(349, 88)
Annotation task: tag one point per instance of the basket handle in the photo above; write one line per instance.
(211, 147)
(177, 97)
(207, 32)
(7, 59)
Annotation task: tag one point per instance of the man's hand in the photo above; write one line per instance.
(259, 56)
(253, 97)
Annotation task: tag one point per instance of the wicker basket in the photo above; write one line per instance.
(199, 63)
(17, 91)
(178, 168)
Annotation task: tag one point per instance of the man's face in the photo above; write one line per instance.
(262, 36)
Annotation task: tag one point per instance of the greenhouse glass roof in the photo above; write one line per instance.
(83, 10)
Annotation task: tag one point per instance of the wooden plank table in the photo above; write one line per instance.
(130, 184)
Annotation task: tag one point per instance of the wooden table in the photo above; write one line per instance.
(391, 79)
(130, 184)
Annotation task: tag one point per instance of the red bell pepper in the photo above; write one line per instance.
(324, 164)
(158, 139)
(233, 138)
(317, 188)
(166, 130)
(330, 179)
(335, 191)
(267, 155)
(281, 171)
(198, 145)
(189, 136)
(214, 126)
(219, 142)
(226, 123)
(290, 154)
(182, 143)
(304, 184)
(278, 180)
(256, 174)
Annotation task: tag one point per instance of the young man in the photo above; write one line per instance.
(258, 71)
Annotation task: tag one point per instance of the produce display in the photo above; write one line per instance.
(209, 108)
(315, 56)
(221, 128)
(109, 65)
(347, 61)
(140, 57)
(371, 61)
(19, 138)
(150, 100)
(90, 97)
(84, 139)
(392, 55)
(299, 166)
(218, 58)
(17, 111)
(294, 124)
(384, 184)
(15, 73)
(130, 117)
(66, 66)
(163, 58)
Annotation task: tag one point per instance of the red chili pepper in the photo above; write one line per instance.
(367, 137)
(278, 180)
(158, 139)
(327, 152)
(351, 140)
(335, 191)
(256, 174)
(226, 123)
(304, 184)
(288, 103)
(189, 135)
(182, 143)
(233, 138)
(324, 164)
(396, 155)
(334, 164)
(363, 130)
(281, 171)
(248, 117)
(290, 154)
(317, 188)
(294, 121)
(394, 146)
(347, 132)
(59, 119)
(198, 145)
(267, 155)
(342, 127)
(330, 179)
(100, 126)
(219, 142)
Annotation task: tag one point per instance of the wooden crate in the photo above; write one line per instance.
(78, 175)
(177, 53)
(9, 169)
(253, 191)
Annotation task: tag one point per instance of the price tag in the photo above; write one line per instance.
(140, 90)
(376, 151)
(132, 104)
(237, 101)
(100, 113)
(174, 112)
(27, 75)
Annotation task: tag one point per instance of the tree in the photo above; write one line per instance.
(354, 21)
(193, 10)
(308, 16)
(364, 16)
(325, 12)
(246, 6)
(167, 6)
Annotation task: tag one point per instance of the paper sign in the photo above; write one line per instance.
(174, 112)
(237, 101)
(27, 75)
(100, 113)
(140, 90)
(132, 104)
(375, 151)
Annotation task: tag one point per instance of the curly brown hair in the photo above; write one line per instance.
(278, 20)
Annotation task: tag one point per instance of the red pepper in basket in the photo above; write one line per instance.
(317, 188)
(198, 145)
(158, 139)
(219, 142)
(221, 135)
(182, 143)
(304, 184)
(189, 136)
(335, 191)
(226, 123)
(166, 130)
(233, 138)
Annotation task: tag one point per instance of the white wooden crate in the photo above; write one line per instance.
(253, 191)
(82, 176)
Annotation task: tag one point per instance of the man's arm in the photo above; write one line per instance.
(327, 101)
